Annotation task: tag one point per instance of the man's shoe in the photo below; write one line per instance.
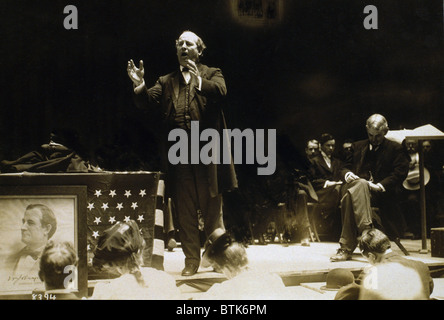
(305, 242)
(190, 269)
(341, 255)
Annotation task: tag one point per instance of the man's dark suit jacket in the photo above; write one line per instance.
(390, 169)
(351, 291)
(205, 106)
(320, 172)
(392, 164)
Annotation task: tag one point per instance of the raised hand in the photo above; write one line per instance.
(191, 65)
(134, 73)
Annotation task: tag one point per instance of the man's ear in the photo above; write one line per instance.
(371, 257)
(47, 228)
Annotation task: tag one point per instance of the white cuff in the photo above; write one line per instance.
(200, 83)
(381, 186)
(347, 175)
(138, 89)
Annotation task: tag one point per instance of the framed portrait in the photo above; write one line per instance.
(42, 228)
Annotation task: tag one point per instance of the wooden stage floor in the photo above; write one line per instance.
(302, 269)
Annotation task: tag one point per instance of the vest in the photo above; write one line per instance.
(369, 164)
(182, 118)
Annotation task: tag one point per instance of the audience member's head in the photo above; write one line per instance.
(373, 245)
(224, 254)
(327, 144)
(119, 250)
(426, 146)
(347, 147)
(312, 148)
(392, 281)
(411, 145)
(56, 263)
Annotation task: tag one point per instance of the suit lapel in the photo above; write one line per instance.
(324, 164)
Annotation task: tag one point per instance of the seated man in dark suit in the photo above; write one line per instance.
(376, 167)
(325, 175)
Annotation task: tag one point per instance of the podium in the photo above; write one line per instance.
(427, 132)
(420, 134)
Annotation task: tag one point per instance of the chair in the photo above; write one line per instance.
(389, 228)
(312, 207)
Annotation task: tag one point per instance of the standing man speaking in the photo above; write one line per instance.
(193, 92)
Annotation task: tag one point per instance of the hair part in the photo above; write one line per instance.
(55, 258)
(374, 241)
(119, 250)
(233, 259)
(377, 122)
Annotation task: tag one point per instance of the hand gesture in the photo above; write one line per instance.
(135, 74)
(374, 187)
(191, 65)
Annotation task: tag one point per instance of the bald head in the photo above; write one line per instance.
(189, 46)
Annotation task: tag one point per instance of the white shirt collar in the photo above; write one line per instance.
(186, 74)
(327, 159)
(325, 155)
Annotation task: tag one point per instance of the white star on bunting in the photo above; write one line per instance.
(127, 193)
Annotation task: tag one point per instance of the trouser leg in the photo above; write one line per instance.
(356, 212)
(192, 196)
(302, 219)
(186, 202)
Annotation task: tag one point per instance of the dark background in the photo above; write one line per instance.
(315, 69)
